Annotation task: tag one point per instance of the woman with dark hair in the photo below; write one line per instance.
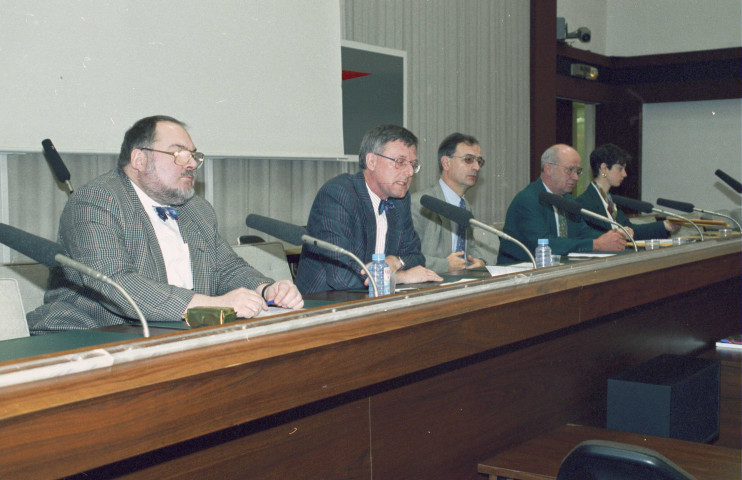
(608, 164)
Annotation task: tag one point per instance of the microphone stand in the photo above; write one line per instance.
(308, 239)
(484, 226)
(720, 215)
(84, 269)
(657, 210)
(587, 212)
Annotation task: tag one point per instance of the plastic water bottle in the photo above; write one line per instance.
(381, 273)
(543, 253)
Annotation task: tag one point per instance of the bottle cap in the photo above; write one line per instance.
(543, 241)
(378, 256)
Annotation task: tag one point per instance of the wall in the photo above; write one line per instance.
(624, 28)
(468, 71)
(684, 143)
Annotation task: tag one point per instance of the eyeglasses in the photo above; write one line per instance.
(402, 163)
(469, 159)
(181, 157)
(569, 170)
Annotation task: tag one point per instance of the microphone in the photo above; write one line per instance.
(682, 206)
(462, 216)
(60, 170)
(575, 208)
(646, 207)
(729, 181)
(638, 205)
(297, 235)
(52, 254)
(689, 207)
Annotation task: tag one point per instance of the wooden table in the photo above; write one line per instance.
(394, 390)
(540, 458)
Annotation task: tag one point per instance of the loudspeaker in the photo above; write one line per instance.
(671, 396)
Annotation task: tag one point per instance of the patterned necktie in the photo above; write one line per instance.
(461, 233)
(608, 200)
(167, 212)
(385, 206)
(611, 206)
(562, 223)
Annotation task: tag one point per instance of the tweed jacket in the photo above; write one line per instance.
(435, 232)
(591, 200)
(105, 227)
(528, 220)
(342, 214)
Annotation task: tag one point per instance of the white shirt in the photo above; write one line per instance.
(175, 252)
(381, 224)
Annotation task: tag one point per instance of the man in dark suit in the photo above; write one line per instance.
(444, 246)
(528, 219)
(366, 213)
(125, 225)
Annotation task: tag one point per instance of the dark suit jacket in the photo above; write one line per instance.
(590, 199)
(105, 227)
(342, 214)
(528, 220)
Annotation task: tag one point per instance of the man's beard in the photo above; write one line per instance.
(153, 187)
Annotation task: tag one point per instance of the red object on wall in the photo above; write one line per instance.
(348, 74)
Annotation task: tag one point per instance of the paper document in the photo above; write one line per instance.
(496, 270)
(589, 254)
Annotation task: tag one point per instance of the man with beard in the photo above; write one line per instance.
(528, 219)
(366, 213)
(141, 225)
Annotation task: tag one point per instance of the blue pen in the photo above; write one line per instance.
(270, 302)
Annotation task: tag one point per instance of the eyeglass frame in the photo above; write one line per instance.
(400, 164)
(469, 159)
(195, 155)
(569, 170)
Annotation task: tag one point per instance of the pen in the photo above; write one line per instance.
(270, 302)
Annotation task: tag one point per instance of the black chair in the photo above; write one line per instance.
(603, 460)
(248, 239)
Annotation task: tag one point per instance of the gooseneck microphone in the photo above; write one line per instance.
(60, 170)
(575, 208)
(633, 204)
(51, 254)
(297, 235)
(729, 181)
(689, 207)
(462, 216)
(646, 207)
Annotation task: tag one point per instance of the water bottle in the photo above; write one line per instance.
(381, 273)
(543, 253)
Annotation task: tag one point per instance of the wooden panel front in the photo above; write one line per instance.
(415, 392)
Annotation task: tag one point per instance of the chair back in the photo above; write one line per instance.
(604, 460)
(32, 279)
(13, 322)
(269, 258)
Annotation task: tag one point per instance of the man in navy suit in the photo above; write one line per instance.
(366, 213)
(141, 225)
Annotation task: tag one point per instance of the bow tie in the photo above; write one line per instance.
(167, 212)
(385, 206)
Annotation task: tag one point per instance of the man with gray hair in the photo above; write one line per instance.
(447, 246)
(528, 219)
(366, 213)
